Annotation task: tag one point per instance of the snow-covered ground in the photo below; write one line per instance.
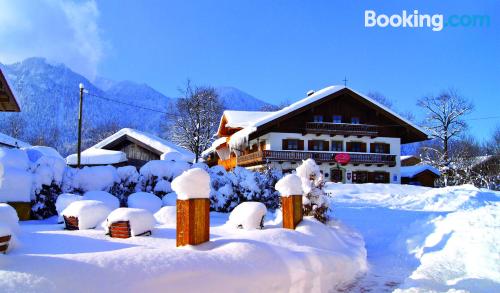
(422, 239)
(313, 258)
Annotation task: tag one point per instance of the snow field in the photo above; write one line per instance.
(423, 239)
(313, 258)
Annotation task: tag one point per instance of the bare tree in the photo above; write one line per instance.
(99, 133)
(194, 119)
(273, 108)
(380, 98)
(14, 125)
(444, 121)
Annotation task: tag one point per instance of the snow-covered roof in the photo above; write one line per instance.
(242, 119)
(12, 142)
(242, 135)
(412, 171)
(213, 147)
(161, 145)
(98, 157)
(407, 157)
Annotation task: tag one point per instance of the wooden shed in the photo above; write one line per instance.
(422, 175)
(8, 102)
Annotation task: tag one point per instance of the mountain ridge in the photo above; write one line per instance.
(48, 96)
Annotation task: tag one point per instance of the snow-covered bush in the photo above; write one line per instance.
(144, 200)
(314, 198)
(16, 180)
(156, 176)
(48, 169)
(63, 201)
(228, 189)
(127, 184)
(94, 178)
(169, 199)
(107, 198)
(90, 213)
(140, 220)
(167, 215)
(248, 215)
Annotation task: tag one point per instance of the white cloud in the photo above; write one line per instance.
(59, 30)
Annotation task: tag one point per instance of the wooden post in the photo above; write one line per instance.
(80, 118)
(193, 221)
(292, 211)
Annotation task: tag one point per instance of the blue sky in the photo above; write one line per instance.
(278, 50)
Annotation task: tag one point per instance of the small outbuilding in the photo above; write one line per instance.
(8, 102)
(410, 161)
(422, 175)
(132, 147)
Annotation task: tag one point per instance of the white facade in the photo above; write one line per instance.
(273, 141)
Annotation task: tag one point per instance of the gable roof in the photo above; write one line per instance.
(165, 148)
(242, 119)
(412, 171)
(6, 140)
(317, 97)
(8, 102)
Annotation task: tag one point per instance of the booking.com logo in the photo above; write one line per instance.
(416, 20)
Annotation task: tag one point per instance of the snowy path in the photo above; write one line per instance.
(382, 229)
(423, 240)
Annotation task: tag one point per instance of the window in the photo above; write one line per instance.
(318, 145)
(318, 118)
(380, 177)
(355, 120)
(337, 119)
(337, 146)
(356, 146)
(292, 144)
(380, 148)
(360, 177)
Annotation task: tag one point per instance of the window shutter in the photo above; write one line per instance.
(387, 148)
(349, 146)
(310, 145)
(372, 147)
(301, 144)
(325, 145)
(363, 147)
(284, 144)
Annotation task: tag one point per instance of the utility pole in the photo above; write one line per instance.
(79, 154)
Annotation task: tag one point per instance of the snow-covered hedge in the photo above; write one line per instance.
(232, 188)
(45, 176)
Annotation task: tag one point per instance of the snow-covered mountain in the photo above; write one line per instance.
(49, 97)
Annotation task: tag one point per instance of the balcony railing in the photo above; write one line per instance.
(261, 157)
(342, 128)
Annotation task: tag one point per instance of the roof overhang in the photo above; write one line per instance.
(8, 102)
(414, 133)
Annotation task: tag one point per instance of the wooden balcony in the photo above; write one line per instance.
(261, 157)
(342, 129)
(227, 164)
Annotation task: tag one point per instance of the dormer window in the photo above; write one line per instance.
(318, 118)
(355, 120)
(337, 119)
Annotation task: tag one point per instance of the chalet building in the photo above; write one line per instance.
(8, 102)
(131, 147)
(353, 138)
(421, 175)
(410, 161)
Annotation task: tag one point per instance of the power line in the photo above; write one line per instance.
(127, 104)
(163, 112)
